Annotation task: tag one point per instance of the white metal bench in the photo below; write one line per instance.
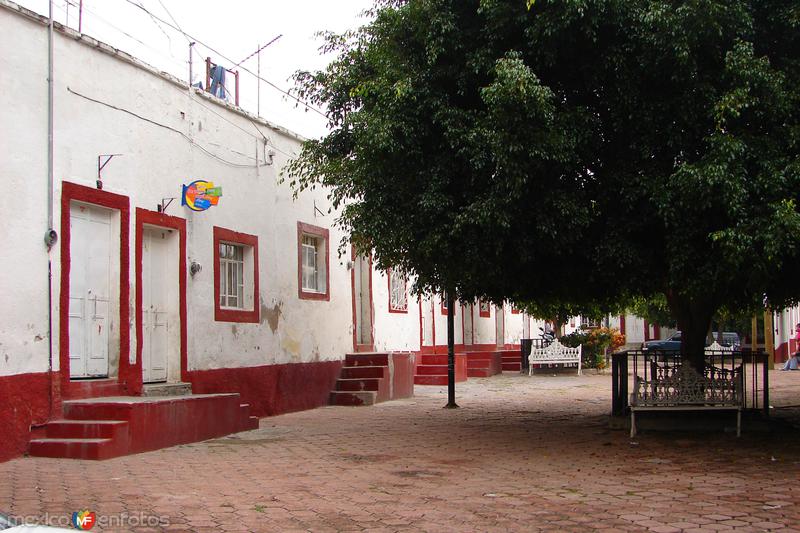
(681, 388)
(555, 353)
(716, 348)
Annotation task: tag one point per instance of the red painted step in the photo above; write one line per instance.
(94, 449)
(358, 384)
(431, 359)
(366, 359)
(428, 370)
(364, 380)
(247, 422)
(512, 367)
(430, 380)
(353, 398)
(101, 428)
(483, 364)
(85, 429)
(353, 372)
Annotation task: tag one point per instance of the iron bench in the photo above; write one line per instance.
(555, 353)
(681, 388)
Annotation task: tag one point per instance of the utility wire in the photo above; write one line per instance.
(170, 128)
(169, 40)
(126, 34)
(173, 20)
(229, 60)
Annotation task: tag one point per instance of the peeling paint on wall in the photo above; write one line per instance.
(271, 316)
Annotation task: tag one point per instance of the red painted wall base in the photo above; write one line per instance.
(272, 389)
(24, 401)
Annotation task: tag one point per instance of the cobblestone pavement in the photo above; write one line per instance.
(522, 454)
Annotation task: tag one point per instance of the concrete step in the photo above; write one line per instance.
(86, 429)
(353, 398)
(367, 359)
(358, 384)
(355, 372)
(93, 449)
(166, 389)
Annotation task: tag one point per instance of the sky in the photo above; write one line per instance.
(235, 29)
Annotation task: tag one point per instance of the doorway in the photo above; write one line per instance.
(500, 326)
(93, 292)
(160, 305)
(467, 324)
(362, 303)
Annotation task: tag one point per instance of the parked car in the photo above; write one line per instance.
(673, 342)
(8, 525)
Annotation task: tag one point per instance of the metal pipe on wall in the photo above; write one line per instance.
(50, 235)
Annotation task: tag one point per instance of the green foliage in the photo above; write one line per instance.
(575, 155)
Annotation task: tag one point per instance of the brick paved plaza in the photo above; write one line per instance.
(522, 454)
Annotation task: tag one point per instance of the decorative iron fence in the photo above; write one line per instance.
(649, 365)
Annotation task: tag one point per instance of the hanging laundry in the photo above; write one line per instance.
(218, 81)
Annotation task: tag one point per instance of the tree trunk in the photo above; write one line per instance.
(694, 320)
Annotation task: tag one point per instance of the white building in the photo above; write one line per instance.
(248, 296)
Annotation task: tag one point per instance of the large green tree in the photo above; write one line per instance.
(580, 152)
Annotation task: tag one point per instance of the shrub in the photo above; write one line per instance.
(596, 343)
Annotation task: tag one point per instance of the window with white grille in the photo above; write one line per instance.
(587, 323)
(312, 262)
(231, 273)
(311, 271)
(235, 276)
(398, 297)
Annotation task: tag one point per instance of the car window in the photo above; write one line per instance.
(6, 522)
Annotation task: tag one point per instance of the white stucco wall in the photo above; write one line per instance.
(155, 161)
(485, 326)
(394, 331)
(23, 204)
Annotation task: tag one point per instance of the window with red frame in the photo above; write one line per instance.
(484, 309)
(398, 293)
(235, 276)
(313, 262)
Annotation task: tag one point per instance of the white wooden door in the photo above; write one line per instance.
(466, 317)
(426, 308)
(155, 304)
(89, 288)
(500, 326)
(363, 296)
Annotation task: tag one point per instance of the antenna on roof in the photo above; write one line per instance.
(258, 71)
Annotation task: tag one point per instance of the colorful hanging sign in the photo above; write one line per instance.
(199, 195)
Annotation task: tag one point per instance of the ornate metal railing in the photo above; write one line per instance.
(651, 367)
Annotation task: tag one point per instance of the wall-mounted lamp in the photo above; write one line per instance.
(195, 268)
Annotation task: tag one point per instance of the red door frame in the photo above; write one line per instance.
(124, 383)
(356, 346)
(143, 216)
